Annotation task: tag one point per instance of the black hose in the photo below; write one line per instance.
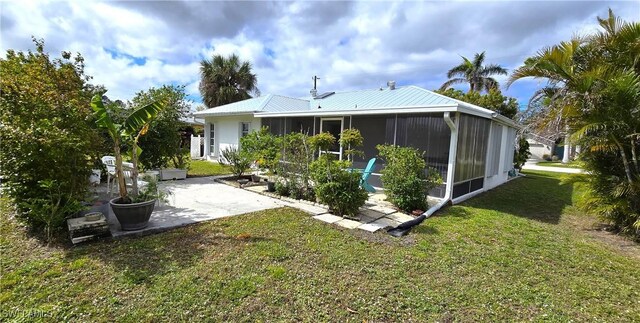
(405, 227)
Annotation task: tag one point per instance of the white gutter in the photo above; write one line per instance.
(453, 150)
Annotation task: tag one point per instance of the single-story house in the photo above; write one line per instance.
(540, 146)
(472, 147)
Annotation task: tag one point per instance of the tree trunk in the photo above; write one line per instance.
(567, 146)
(122, 186)
(625, 162)
(134, 171)
(634, 156)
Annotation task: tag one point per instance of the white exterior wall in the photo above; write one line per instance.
(506, 156)
(227, 133)
(538, 149)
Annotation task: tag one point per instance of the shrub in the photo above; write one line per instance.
(554, 158)
(45, 139)
(405, 179)
(546, 157)
(351, 139)
(322, 141)
(336, 186)
(522, 153)
(238, 160)
(163, 143)
(294, 169)
(282, 188)
(262, 147)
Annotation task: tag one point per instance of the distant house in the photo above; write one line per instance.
(472, 147)
(541, 147)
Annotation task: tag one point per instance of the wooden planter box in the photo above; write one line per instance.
(172, 173)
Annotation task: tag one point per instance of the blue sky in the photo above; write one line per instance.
(130, 46)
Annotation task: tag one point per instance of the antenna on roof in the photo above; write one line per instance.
(314, 91)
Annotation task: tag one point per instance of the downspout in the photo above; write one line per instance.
(405, 227)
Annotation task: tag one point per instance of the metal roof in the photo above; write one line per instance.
(407, 96)
(401, 99)
(267, 103)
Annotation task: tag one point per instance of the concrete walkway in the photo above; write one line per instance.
(531, 165)
(195, 200)
(373, 216)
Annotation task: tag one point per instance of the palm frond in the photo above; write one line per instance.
(136, 121)
(451, 82)
(102, 116)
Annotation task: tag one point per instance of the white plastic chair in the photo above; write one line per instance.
(127, 171)
(110, 163)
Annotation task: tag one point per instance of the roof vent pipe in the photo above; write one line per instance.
(391, 85)
(314, 93)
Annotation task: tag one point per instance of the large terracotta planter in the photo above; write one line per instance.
(133, 216)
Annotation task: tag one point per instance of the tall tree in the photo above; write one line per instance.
(475, 73)
(593, 87)
(225, 80)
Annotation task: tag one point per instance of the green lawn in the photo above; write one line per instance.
(512, 254)
(571, 164)
(207, 168)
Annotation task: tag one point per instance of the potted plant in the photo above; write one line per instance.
(181, 163)
(132, 213)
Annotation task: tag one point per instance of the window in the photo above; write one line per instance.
(496, 147)
(244, 128)
(212, 140)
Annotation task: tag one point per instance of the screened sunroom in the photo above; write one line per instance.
(470, 146)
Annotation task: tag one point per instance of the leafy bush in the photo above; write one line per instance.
(53, 207)
(405, 179)
(238, 160)
(151, 191)
(262, 147)
(546, 157)
(282, 188)
(522, 153)
(322, 141)
(163, 144)
(336, 186)
(555, 158)
(45, 139)
(351, 139)
(294, 170)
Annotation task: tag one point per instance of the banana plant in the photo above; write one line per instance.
(135, 126)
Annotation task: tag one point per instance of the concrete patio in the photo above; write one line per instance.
(191, 200)
(201, 199)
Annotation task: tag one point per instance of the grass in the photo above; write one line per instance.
(571, 164)
(207, 168)
(511, 254)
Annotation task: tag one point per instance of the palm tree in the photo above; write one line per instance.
(593, 87)
(225, 80)
(473, 72)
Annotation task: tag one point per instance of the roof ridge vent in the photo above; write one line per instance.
(391, 85)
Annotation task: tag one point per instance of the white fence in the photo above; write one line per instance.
(197, 147)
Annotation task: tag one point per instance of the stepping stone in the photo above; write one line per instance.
(256, 188)
(400, 217)
(368, 215)
(385, 223)
(349, 224)
(382, 209)
(327, 217)
(312, 209)
(371, 227)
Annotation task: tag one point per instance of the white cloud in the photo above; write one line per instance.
(349, 45)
